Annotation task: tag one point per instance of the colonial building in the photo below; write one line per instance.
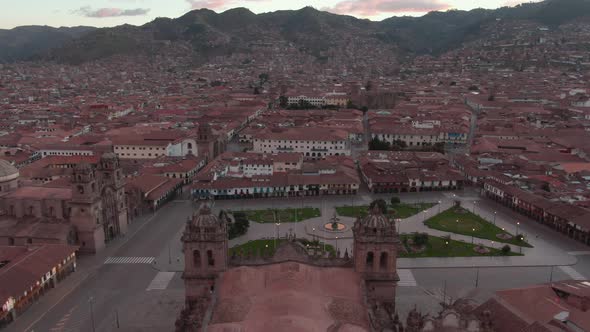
(571, 220)
(312, 142)
(88, 210)
(272, 292)
(402, 171)
(28, 272)
(245, 175)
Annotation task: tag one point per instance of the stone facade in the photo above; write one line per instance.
(205, 247)
(88, 212)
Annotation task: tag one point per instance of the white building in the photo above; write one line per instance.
(311, 142)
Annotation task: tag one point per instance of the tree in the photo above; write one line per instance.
(398, 145)
(351, 105)
(420, 239)
(395, 200)
(256, 90)
(377, 144)
(263, 78)
(283, 101)
(365, 109)
(506, 249)
(381, 204)
(240, 225)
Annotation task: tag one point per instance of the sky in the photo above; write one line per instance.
(104, 13)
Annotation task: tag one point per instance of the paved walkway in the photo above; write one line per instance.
(544, 252)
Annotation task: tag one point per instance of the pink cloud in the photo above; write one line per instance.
(110, 12)
(211, 4)
(376, 7)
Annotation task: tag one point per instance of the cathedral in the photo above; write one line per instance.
(88, 210)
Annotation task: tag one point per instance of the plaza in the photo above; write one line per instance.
(124, 291)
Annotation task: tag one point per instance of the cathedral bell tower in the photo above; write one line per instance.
(85, 208)
(375, 256)
(205, 247)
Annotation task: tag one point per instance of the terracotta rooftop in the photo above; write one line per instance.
(288, 297)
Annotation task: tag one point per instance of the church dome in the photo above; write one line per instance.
(7, 170)
(204, 217)
(376, 219)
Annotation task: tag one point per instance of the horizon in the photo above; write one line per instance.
(110, 13)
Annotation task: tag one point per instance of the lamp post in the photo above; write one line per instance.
(337, 255)
(517, 227)
(474, 202)
(277, 224)
(313, 234)
(90, 301)
(495, 213)
(473, 229)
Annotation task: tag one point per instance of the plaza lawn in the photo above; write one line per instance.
(467, 222)
(282, 215)
(438, 247)
(401, 210)
(269, 244)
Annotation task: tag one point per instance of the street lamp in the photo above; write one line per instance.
(495, 213)
(337, 255)
(474, 202)
(439, 203)
(90, 301)
(473, 229)
(313, 234)
(277, 224)
(517, 227)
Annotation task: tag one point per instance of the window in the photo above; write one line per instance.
(197, 258)
(210, 258)
(383, 261)
(369, 260)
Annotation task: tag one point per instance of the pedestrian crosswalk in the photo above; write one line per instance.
(572, 273)
(161, 281)
(129, 260)
(406, 278)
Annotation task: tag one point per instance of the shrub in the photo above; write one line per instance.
(519, 237)
(420, 239)
(381, 204)
(395, 200)
(506, 249)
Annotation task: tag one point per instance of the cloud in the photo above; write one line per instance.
(216, 4)
(376, 7)
(211, 4)
(110, 12)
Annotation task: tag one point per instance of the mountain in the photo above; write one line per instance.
(204, 33)
(22, 42)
